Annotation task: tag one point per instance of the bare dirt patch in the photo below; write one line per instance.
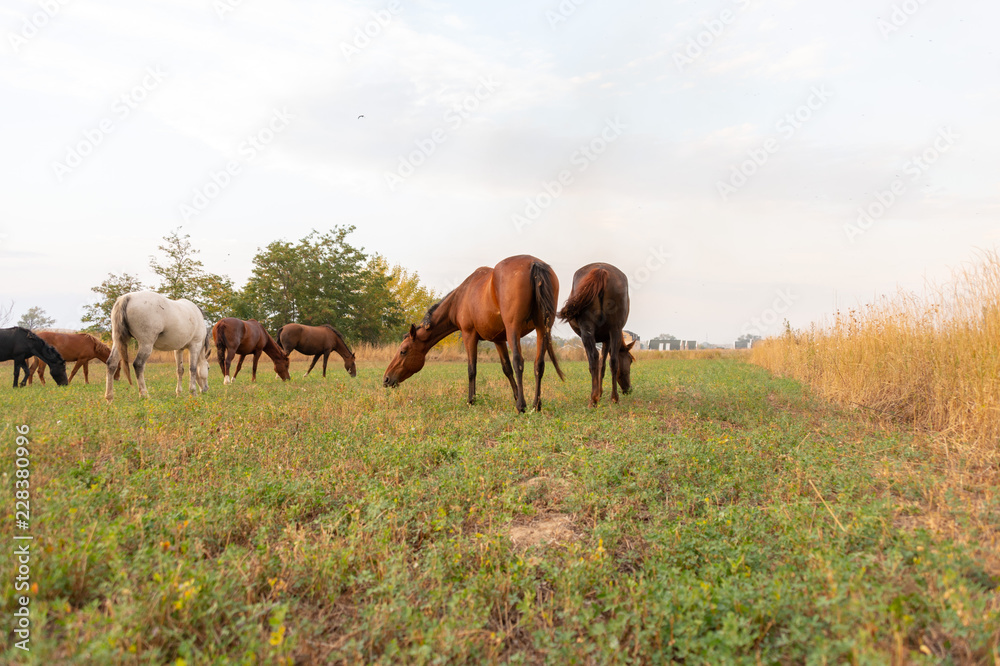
(553, 528)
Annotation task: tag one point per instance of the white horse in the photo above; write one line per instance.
(157, 322)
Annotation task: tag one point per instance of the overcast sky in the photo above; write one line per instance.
(717, 152)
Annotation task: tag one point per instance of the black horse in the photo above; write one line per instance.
(597, 309)
(20, 344)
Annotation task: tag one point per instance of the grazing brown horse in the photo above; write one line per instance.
(597, 309)
(498, 304)
(316, 341)
(236, 336)
(78, 347)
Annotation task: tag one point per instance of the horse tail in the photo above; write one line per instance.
(219, 333)
(206, 345)
(585, 292)
(545, 299)
(120, 332)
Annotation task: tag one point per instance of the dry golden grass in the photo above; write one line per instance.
(930, 360)
(451, 349)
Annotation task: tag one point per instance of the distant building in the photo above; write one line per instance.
(630, 337)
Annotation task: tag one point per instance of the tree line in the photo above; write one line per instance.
(318, 279)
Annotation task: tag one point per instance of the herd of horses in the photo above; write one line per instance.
(499, 305)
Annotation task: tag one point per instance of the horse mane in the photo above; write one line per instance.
(99, 345)
(46, 352)
(339, 335)
(426, 321)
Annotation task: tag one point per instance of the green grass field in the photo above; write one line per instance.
(717, 515)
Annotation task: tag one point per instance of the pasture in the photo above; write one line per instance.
(717, 515)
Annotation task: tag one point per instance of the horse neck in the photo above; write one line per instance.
(442, 323)
(271, 348)
(340, 345)
(101, 350)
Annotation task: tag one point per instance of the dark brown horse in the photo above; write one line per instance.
(597, 309)
(498, 304)
(236, 336)
(317, 341)
(78, 347)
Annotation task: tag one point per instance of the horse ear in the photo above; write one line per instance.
(629, 346)
(413, 331)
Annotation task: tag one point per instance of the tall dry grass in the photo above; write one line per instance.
(931, 359)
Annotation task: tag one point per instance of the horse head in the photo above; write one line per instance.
(52, 358)
(625, 360)
(409, 358)
(281, 362)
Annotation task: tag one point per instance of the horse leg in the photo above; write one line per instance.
(326, 357)
(224, 361)
(256, 357)
(593, 362)
(312, 365)
(472, 354)
(139, 365)
(239, 365)
(76, 368)
(86, 371)
(39, 365)
(613, 346)
(193, 355)
(508, 371)
(17, 370)
(539, 368)
(113, 363)
(604, 359)
(179, 361)
(515, 342)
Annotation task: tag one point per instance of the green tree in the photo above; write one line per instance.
(180, 272)
(217, 297)
(323, 279)
(35, 318)
(98, 315)
(182, 275)
(412, 297)
(318, 280)
(379, 313)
